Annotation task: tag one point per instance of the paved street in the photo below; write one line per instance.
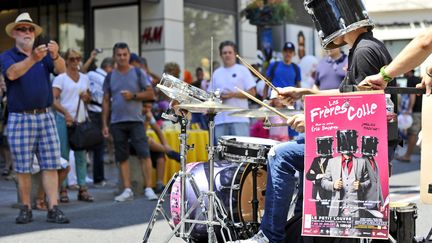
(106, 221)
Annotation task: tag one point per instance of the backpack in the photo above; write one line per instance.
(276, 64)
(108, 77)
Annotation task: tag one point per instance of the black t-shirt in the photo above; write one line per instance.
(411, 82)
(366, 58)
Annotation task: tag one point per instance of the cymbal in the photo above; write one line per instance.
(264, 112)
(208, 106)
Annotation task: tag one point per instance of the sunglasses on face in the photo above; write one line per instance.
(31, 29)
(74, 59)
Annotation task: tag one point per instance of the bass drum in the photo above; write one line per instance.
(233, 186)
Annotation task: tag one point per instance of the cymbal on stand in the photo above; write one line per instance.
(208, 107)
(264, 112)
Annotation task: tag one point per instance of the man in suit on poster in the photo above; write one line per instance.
(347, 178)
(316, 173)
(373, 196)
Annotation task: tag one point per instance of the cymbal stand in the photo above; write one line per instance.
(214, 204)
(184, 175)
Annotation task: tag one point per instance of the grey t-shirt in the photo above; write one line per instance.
(121, 109)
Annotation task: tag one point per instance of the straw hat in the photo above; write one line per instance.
(23, 18)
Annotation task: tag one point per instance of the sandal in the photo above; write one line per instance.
(40, 204)
(83, 195)
(64, 196)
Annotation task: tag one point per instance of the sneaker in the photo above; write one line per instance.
(150, 194)
(55, 215)
(258, 238)
(100, 184)
(25, 215)
(126, 195)
(173, 155)
(159, 187)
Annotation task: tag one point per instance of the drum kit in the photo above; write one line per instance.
(218, 201)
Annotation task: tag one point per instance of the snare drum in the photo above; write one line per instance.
(245, 149)
(403, 221)
(369, 145)
(347, 141)
(336, 18)
(233, 186)
(324, 145)
(181, 91)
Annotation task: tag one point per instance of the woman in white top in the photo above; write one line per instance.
(70, 88)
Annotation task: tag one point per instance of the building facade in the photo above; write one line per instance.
(184, 31)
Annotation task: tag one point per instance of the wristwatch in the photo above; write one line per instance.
(134, 97)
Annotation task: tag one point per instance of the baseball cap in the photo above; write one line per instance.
(134, 57)
(288, 46)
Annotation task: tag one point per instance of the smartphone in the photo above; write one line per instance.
(99, 50)
(41, 40)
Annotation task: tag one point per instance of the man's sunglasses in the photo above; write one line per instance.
(31, 29)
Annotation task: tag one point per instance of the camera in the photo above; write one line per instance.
(99, 50)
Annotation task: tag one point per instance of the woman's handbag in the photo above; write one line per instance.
(84, 135)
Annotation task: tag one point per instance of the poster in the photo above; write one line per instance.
(346, 166)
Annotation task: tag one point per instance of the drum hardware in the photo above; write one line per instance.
(403, 222)
(211, 106)
(264, 113)
(404, 90)
(183, 175)
(245, 149)
(215, 213)
(181, 91)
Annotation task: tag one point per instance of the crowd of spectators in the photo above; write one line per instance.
(121, 98)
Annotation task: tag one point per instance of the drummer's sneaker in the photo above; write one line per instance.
(150, 194)
(258, 238)
(126, 195)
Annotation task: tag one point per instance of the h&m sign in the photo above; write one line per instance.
(152, 34)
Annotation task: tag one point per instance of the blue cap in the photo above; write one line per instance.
(134, 58)
(288, 46)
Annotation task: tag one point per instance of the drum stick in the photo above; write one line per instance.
(263, 104)
(258, 74)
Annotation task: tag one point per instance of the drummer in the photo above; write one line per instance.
(366, 56)
(226, 78)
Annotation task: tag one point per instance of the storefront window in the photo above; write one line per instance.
(71, 29)
(199, 26)
(62, 21)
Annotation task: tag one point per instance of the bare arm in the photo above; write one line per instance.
(412, 55)
(105, 114)
(89, 61)
(409, 58)
(159, 133)
(59, 62)
(18, 69)
(58, 107)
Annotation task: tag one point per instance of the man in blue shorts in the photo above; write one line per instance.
(31, 125)
(124, 90)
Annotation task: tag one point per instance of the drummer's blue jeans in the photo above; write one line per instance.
(283, 161)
